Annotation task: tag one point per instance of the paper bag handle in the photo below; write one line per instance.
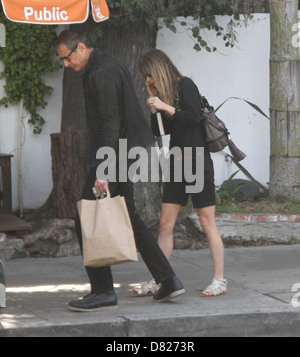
(101, 196)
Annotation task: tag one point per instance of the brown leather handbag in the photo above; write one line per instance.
(217, 134)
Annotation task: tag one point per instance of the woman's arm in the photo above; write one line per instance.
(167, 123)
(190, 110)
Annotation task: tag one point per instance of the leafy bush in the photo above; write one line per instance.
(28, 55)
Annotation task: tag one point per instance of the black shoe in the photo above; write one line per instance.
(95, 302)
(170, 289)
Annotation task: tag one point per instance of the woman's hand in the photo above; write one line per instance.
(155, 104)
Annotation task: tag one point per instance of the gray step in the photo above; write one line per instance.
(10, 247)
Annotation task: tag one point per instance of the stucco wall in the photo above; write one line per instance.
(36, 158)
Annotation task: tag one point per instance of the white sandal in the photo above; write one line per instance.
(145, 288)
(216, 288)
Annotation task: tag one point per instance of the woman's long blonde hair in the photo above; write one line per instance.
(157, 65)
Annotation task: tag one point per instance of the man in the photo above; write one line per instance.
(113, 112)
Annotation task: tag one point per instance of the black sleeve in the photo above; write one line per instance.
(189, 111)
(167, 124)
(107, 128)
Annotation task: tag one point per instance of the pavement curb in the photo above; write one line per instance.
(259, 217)
(242, 230)
(269, 324)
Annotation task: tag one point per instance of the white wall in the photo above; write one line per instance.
(36, 158)
(242, 71)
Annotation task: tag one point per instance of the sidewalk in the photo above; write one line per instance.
(259, 301)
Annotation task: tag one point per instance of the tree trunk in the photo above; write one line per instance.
(284, 101)
(127, 43)
(68, 172)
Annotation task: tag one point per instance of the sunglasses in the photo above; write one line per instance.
(67, 58)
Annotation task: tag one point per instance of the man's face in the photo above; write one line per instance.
(75, 58)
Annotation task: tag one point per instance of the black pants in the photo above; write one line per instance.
(101, 278)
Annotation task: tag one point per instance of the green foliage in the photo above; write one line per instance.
(226, 192)
(204, 18)
(28, 55)
(203, 13)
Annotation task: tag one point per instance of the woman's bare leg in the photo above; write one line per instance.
(169, 215)
(209, 226)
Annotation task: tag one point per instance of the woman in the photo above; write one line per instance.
(178, 100)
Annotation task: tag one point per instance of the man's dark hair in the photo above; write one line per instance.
(71, 38)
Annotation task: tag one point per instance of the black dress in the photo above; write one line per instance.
(186, 131)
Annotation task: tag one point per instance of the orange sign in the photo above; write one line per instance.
(100, 10)
(54, 12)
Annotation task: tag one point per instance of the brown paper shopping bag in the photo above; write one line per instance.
(107, 233)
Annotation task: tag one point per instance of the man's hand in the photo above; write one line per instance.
(101, 186)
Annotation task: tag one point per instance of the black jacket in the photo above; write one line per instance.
(185, 127)
(112, 107)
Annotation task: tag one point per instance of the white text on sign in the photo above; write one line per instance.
(55, 14)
